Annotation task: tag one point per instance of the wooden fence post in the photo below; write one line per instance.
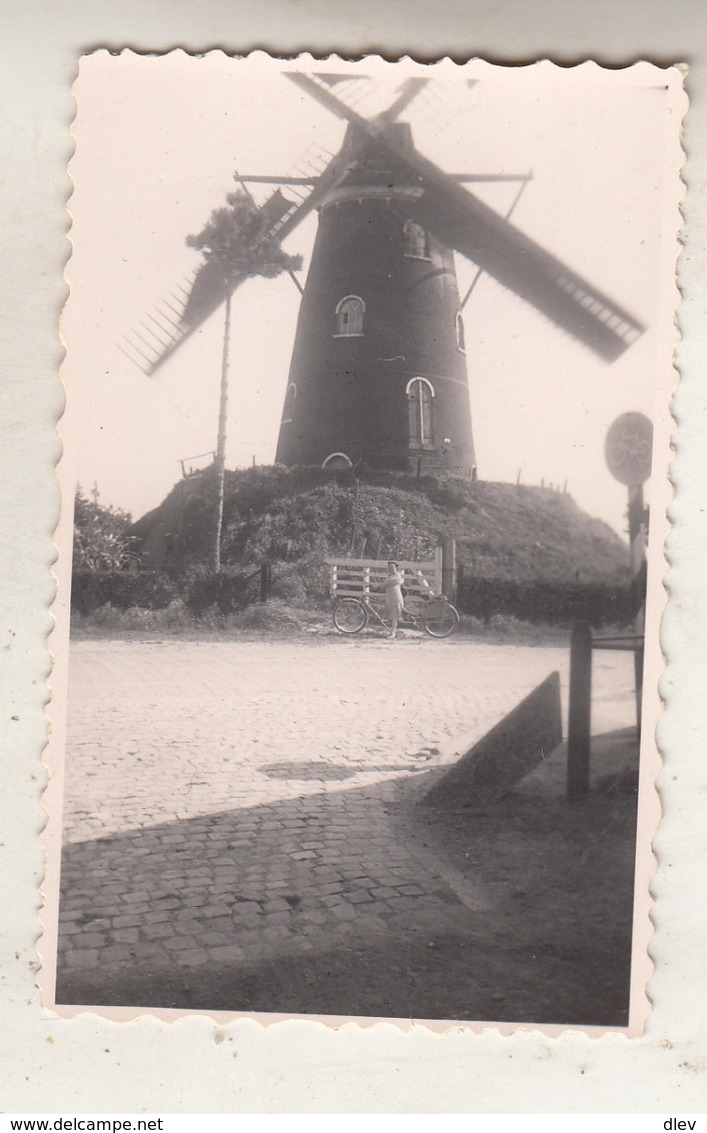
(449, 567)
(579, 729)
(265, 580)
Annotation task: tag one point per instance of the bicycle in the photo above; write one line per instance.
(631, 447)
(434, 613)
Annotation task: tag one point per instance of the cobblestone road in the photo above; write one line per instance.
(232, 804)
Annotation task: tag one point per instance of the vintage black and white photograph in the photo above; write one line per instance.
(368, 373)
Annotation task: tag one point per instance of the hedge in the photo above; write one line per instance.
(545, 603)
(124, 589)
(227, 590)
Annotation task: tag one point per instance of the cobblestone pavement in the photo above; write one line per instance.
(232, 804)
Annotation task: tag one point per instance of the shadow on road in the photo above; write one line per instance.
(358, 902)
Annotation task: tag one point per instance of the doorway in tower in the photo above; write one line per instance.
(337, 461)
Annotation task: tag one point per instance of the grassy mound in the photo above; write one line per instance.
(297, 517)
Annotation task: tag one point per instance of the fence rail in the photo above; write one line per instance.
(358, 577)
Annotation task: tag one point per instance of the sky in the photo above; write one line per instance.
(158, 140)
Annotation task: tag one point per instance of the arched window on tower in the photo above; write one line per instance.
(416, 241)
(420, 393)
(461, 342)
(289, 406)
(349, 317)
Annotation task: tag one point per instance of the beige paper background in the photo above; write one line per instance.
(92, 1066)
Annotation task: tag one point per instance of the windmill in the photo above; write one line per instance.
(378, 371)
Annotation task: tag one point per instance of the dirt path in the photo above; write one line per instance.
(241, 834)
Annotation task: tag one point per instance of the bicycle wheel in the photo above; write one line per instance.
(441, 620)
(350, 615)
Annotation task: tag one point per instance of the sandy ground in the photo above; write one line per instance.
(243, 833)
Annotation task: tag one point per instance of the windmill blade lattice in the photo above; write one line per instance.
(440, 106)
(144, 346)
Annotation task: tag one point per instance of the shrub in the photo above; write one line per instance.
(224, 591)
(295, 526)
(101, 536)
(287, 584)
(449, 492)
(92, 589)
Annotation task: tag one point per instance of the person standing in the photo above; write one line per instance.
(394, 596)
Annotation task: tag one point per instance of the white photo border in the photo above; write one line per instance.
(89, 1064)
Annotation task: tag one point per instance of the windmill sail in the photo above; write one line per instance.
(455, 216)
(208, 290)
(570, 301)
(462, 221)
(204, 293)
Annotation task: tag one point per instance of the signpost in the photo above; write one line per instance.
(628, 450)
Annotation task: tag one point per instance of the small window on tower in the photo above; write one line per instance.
(349, 317)
(416, 242)
(461, 344)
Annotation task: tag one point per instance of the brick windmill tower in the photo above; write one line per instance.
(378, 372)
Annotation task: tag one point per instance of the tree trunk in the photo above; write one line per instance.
(220, 461)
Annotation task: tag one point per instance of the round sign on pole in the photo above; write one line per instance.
(628, 448)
